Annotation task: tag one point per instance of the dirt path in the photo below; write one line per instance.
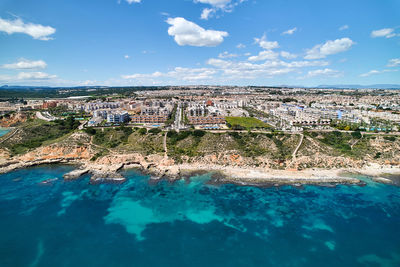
(165, 145)
(355, 143)
(298, 147)
(8, 137)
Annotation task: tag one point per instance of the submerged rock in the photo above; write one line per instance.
(382, 180)
(75, 174)
(107, 177)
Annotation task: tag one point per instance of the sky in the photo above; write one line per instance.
(199, 42)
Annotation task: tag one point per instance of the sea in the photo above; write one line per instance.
(193, 222)
(3, 131)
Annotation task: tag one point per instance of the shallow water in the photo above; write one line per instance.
(141, 223)
(4, 131)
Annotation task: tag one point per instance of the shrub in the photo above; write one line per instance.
(155, 131)
(142, 131)
(356, 135)
(390, 138)
(90, 131)
(199, 133)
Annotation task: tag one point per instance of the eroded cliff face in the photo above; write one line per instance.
(13, 120)
(52, 152)
(78, 148)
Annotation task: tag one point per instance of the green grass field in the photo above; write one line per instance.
(246, 122)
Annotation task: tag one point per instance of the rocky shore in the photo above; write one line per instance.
(232, 169)
(107, 170)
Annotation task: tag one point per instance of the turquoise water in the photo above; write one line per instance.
(3, 131)
(193, 223)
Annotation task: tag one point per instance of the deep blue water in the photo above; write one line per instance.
(192, 223)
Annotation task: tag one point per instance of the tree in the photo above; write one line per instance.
(356, 135)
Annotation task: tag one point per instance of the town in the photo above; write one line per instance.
(212, 108)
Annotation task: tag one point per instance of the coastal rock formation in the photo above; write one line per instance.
(313, 164)
(13, 119)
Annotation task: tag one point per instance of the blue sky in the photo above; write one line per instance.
(178, 42)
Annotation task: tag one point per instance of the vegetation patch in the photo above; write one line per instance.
(245, 123)
(34, 133)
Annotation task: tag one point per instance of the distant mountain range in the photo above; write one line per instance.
(358, 86)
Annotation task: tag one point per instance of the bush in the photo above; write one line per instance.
(198, 133)
(356, 135)
(142, 131)
(155, 131)
(390, 138)
(90, 131)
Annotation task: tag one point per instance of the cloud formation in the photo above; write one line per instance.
(386, 32)
(133, 1)
(37, 31)
(179, 73)
(373, 72)
(226, 54)
(35, 76)
(188, 33)
(217, 5)
(264, 55)
(26, 64)
(394, 62)
(329, 48)
(263, 43)
(290, 31)
(323, 72)
(288, 55)
(27, 76)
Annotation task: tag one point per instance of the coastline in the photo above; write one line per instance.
(110, 173)
(4, 130)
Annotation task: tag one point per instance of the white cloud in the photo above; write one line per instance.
(323, 72)
(26, 64)
(373, 72)
(226, 54)
(217, 5)
(126, 56)
(222, 70)
(329, 48)
(344, 27)
(290, 31)
(37, 31)
(179, 73)
(288, 55)
(27, 76)
(188, 33)
(270, 68)
(369, 73)
(386, 32)
(264, 55)
(263, 43)
(35, 76)
(133, 1)
(206, 13)
(240, 46)
(394, 62)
